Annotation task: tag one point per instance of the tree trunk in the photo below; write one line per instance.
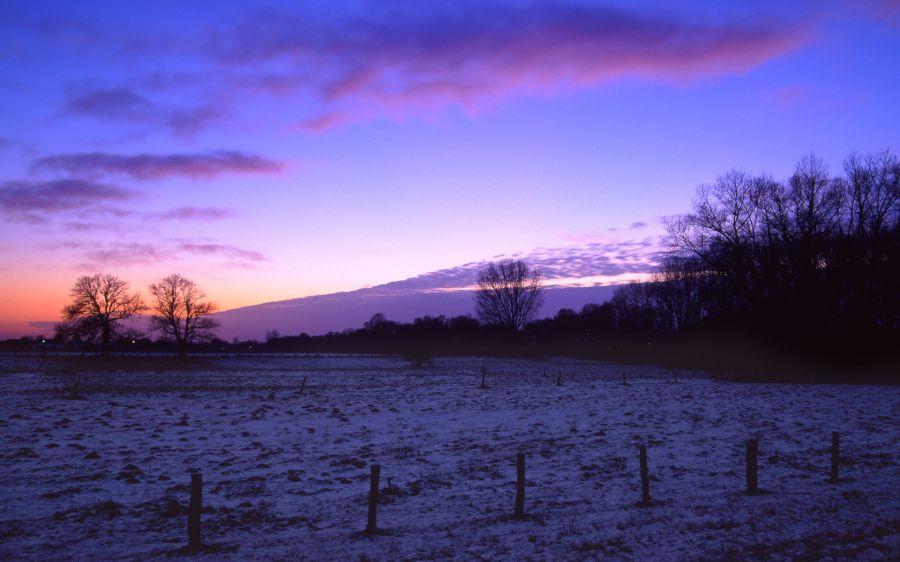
(104, 344)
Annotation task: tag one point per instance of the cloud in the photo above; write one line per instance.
(402, 57)
(195, 213)
(144, 253)
(87, 222)
(226, 250)
(126, 254)
(118, 103)
(126, 105)
(361, 60)
(589, 262)
(151, 167)
(82, 226)
(29, 201)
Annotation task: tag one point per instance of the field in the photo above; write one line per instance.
(101, 471)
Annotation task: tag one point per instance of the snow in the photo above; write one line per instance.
(286, 475)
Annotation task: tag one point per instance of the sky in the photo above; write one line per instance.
(278, 150)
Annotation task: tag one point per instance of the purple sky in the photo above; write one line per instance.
(276, 151)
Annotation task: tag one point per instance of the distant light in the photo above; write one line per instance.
(132, 341)
(43, 341)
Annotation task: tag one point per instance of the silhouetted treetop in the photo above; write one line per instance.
(509, 293)
(100, 305)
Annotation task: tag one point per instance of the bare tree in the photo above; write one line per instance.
(872, 193)
(100, 305)
(181, 312)
(509, 293)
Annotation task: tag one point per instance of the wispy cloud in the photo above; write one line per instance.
(195, 213)
(226, 250)
(147, 167)
(127, 105)
(403, 58)
(126, 254)
(117, 103)
(182, 214)
(31, 201)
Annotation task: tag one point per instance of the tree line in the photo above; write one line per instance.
(812, 262)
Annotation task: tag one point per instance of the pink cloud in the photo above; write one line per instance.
(147, 167)
(471, 54)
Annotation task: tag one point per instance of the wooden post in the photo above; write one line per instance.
(559, 379)
(372, 525)
(752, 454)
(835, 455)
(624, 380)
(483, 377)
(194, 540)
(645, 476)
(303, 385)
(520, 485)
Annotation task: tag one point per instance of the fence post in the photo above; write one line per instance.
(194, 508)
(483, 377)
(645, 476)
(835, 455)
(520, 485)
(303, 385)
(559, 378)
(372, 525)
(752, 454)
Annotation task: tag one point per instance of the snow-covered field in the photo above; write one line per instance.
(286, 475)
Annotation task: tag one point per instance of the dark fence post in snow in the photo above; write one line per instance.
(520, 485)
(303, 385)
(752, 454)
(194, 540)
(835, 454)
(483, 377)
(372, 525)
(645, 476)
(559, 379)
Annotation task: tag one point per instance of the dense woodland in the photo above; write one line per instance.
(796, 278)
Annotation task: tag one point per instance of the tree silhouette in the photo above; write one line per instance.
(100, 305)
(181, 312)
(813, 260)
(509, 294)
